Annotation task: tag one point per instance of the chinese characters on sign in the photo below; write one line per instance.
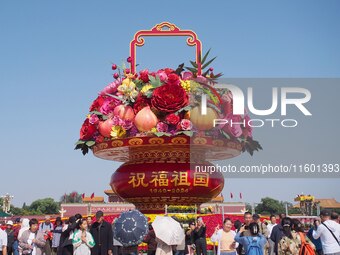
(162, 181)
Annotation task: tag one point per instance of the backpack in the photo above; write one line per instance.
(306, 248)
(254, 247)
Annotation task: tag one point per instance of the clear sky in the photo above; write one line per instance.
(56, 55)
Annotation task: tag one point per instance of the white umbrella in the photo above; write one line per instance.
(168, 230)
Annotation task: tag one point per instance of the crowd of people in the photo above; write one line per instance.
(82, 236)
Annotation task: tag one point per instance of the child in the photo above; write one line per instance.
(82, 240)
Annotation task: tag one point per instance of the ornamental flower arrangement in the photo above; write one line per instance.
(166, 102)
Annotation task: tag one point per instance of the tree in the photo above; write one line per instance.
(248, 207)
(44, 206)
(73, 197)
(270, 206)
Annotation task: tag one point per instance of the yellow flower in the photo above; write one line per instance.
(185, 85)
(153, 130)
(117, 132)
(130, 85)
(146, 88)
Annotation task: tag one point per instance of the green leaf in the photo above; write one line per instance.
(155, 81)
(188, 133)
(80, 142)
(205, 56)
(193, 70)
(118, 98)
(194, 64)
(159, 134)
(84, 150)
(90, 143)
(208, 63)
(186, 108)
(179, 69)
(225, 134)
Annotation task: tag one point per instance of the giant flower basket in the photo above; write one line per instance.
(153, 121)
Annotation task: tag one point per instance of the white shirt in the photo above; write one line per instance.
(329, 244)
(3, 239)
(270, 228)
(30, 240)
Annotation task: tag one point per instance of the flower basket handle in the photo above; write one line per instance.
(165, 29)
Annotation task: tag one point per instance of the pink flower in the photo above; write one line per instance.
(185, 124)
(111, 88)
(109, 105)
(127, 124)
(162, 75)
(187, 76)
(117, 121)
(162, 127)
(93, 119)
(201, 79)
(248, 130)
(234, 125)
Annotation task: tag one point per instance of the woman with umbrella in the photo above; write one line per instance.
(129, 229)
(168, 233)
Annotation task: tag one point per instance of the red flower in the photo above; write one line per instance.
(144, 75)
(173, 79)
(169, 98)
(87, 130)
(172, 119)
(169, 71)
(140, 103)
(97, 103)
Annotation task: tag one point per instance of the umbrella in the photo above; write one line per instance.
(130, 228)
(168, 230)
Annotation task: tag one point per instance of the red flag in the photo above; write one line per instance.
(241, 195)
(73, 195)
(231, 195)
(92, 196)
(83, 196)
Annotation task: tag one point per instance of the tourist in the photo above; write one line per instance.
(247, 221)
(163, 248)
(253, 243)
(32, 241)
(89, 221)
(270, 227)
(335, 217)
(237, 225)
(277, 233)
(189, 239)
(225, 238)
(82, 239)
(58, 229)
(47, 227)
(287, 244)
(180, 248)
(10, 237)
(329, 233)
(299, 235)
(65, 244)
(263, 230)
(102, 235)
(3, 242)
(150, 240)
(317, 242)
(200, 237)
(16, 230)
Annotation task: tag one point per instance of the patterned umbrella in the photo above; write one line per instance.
(130, 228)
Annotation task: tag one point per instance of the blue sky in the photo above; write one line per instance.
(56, 55)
